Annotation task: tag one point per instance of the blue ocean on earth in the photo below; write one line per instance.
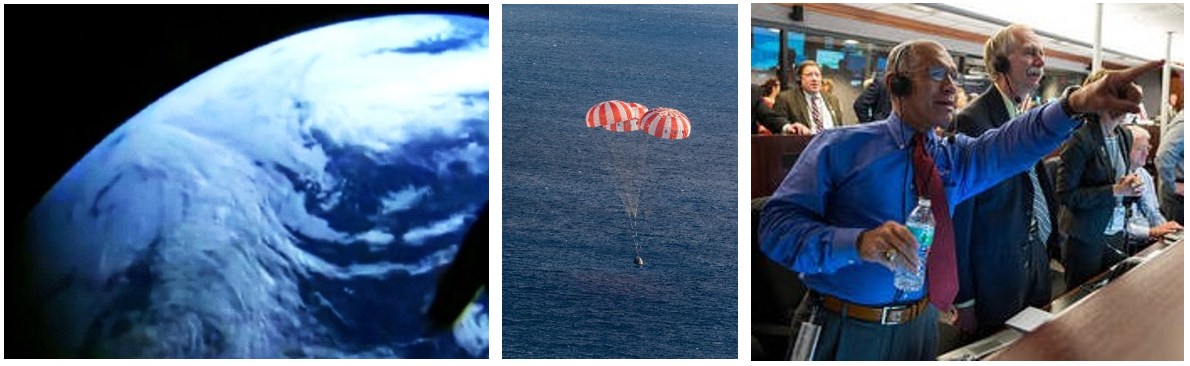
(570, 289)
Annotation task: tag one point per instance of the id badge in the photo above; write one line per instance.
(807, 342)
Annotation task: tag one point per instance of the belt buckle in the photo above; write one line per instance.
(892, 317)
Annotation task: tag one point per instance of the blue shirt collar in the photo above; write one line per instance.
(902, 132)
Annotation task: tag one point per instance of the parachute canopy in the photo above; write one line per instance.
(666, 123)
(632, 124)
(612, 112)
(620, 116)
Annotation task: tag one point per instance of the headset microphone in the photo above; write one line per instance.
(1002, 66)
(1012, 92)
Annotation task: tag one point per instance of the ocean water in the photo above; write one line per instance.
(570, 289)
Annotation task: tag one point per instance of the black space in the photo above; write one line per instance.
(75, 73)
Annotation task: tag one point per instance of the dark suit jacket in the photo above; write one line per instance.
(792, 104)
(874, 104)
(992, 242)
(1085, 181)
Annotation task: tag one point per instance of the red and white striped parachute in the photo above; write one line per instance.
(666, 123)
(626, 153)
(611, 112)
(638, 110)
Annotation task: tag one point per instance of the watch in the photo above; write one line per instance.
(1065, 103)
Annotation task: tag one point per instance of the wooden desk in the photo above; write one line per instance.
(1076, 293)
(772, 156)
(1138, 317)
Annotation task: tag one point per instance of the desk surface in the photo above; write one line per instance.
(1138, 317)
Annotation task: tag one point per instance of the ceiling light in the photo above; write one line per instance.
(921, 8)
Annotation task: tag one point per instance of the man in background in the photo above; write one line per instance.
(807, 109)
(874, 104)
(1170, 168)
(1146, 223)
(1003, 234)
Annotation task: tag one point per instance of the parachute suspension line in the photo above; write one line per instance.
(625, 156)
(642, 165)
(619, 174)
(635, 237)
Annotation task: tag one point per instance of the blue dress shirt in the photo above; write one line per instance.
(1170, 157)
(855, 178)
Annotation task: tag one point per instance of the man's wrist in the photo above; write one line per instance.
(1066, 105)
(859, 240)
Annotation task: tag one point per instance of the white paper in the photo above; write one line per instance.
(1029, 319)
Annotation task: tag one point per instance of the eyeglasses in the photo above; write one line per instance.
(938, 73)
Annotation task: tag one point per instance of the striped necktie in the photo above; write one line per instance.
(1041, 212)
(814, 113)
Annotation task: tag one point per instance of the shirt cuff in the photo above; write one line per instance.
(1138, 231)
(844, 247)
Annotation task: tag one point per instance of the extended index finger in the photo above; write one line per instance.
(1132, 73)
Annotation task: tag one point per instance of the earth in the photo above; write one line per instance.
(299, 200)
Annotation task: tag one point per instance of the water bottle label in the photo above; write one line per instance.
(924, 235)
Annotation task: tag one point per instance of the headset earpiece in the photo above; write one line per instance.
(900, 85)
(1001, 65)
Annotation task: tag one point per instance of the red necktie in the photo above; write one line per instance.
(941, 270)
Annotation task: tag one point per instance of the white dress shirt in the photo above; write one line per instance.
(824, 113)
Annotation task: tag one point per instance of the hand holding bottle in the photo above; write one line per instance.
(1128, 186)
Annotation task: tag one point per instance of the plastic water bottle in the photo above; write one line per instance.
(921, 224)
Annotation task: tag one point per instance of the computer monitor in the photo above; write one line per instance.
(829, 58)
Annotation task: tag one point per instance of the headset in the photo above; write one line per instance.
(1001, 64)
(900, 85)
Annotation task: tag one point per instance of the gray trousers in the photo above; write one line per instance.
(845, 338)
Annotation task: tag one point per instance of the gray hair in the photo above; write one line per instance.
(906, 50)
(1138, 132)
(1000, 44)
